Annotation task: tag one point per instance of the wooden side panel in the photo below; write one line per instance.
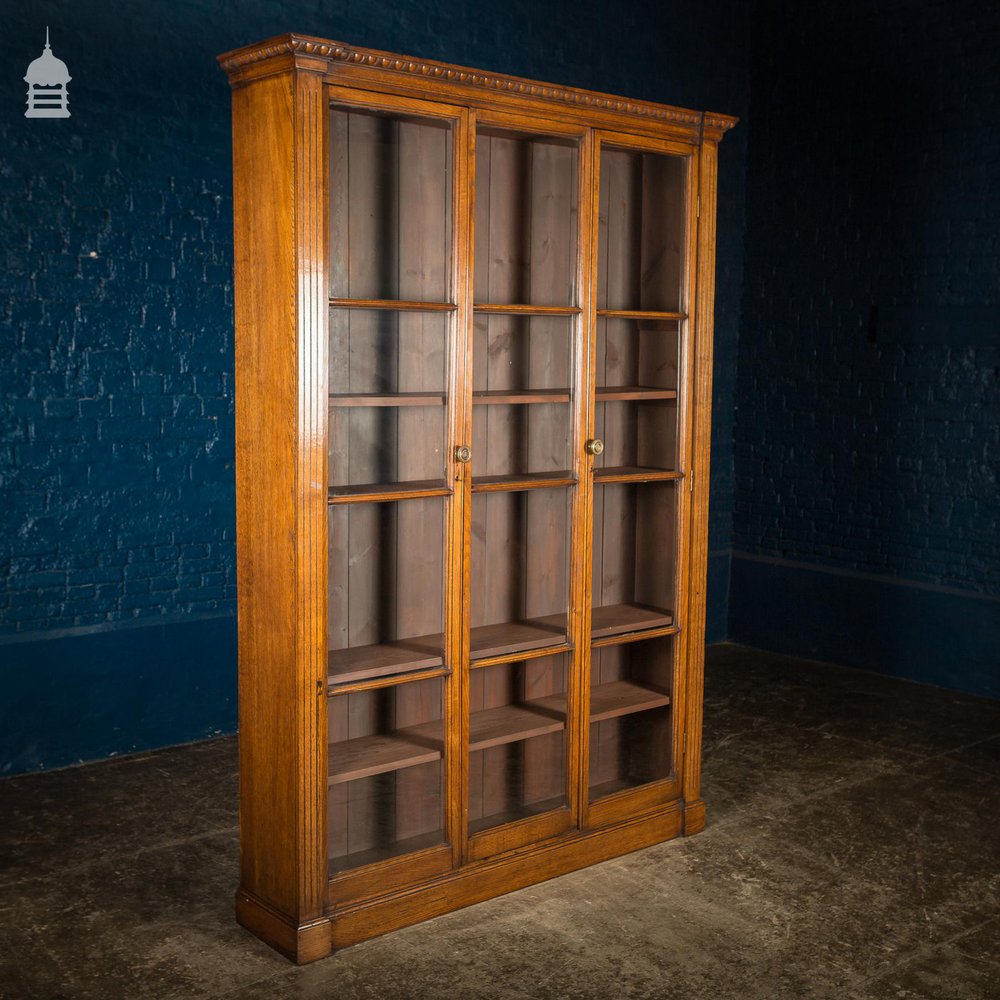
(694, 818)
(279, 153)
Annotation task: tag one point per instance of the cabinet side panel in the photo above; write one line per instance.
(265, 486)
(700, 459)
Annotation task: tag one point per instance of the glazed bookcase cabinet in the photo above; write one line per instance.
(473, 363)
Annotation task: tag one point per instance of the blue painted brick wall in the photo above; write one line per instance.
(116, 430)
(868, 435)
(867, 440)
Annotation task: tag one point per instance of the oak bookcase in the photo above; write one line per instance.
(473, 391)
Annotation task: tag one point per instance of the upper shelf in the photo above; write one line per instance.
(497, 309)
(382, 492)
(394, 305)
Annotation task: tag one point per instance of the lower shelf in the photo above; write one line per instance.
(370, 755)
(358, 859)
(524, 812)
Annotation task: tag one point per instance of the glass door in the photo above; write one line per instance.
(392, 513)
(526, 351)
(640, 375)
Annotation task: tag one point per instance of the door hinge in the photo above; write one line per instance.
(684, 744)
(691, 481)
(698, 207)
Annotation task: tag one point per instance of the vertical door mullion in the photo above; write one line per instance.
(687, 328)
(460, 477)
(583, 513)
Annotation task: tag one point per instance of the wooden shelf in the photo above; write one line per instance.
(362, 663)
(617, 698)
(393, 305)
(393, 848)
(388, 399)
(508, 638)
(617, 619)
(515, 637)
(370, 755)
(526, 811)
(612, 393)
(639, 314)
(634, 474)
(382, 492)
(522, 481)
(525, 310)
(511, 723)
(496, 397)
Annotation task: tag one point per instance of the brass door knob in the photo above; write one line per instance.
(594, 446)
(463, 454)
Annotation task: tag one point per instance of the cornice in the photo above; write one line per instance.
(331, 51)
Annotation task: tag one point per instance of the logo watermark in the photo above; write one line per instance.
(47, 78)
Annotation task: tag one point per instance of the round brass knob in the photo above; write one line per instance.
(463, 454)
(594, 446)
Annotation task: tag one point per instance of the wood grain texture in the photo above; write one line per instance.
(700, 461)
(527, 717)
(425, 77)
(280, 254)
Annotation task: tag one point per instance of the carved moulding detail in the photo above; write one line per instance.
(296, 44)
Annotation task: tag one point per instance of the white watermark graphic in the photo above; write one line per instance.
(47, 78)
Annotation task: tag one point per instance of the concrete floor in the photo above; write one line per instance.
(852, 851)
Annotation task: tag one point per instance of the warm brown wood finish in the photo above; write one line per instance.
(473, 358)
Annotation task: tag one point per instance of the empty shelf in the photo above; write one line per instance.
(616, 619)
(393, 305)
(608, 701)
(497, 397)
(509, 723)
(522, 481)
(634, 474)
(362, 663)
(607, 393)
(387, 399)
(516, 637)
(369, 492)
(370, 755)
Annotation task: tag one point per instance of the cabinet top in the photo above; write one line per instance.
(340, 62)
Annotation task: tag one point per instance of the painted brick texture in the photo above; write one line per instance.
(116, 428)
(868, 428)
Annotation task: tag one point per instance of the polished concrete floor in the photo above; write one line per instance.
(852, 851)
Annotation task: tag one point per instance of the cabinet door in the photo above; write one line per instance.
(639, 443)
(394, 521)
(525, 505)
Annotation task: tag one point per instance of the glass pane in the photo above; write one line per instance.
(390, 206)
(631, 729)
(386, 773)
(388, 381)
(636, 416)
(640, 243)
(635, 530)
(526, 220)
(386, 597)
(520, 570)
(521, 395)
(517, 741)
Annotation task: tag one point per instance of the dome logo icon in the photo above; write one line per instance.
(47, 78)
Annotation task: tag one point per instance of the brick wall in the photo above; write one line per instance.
(868, 431)
(116, 429)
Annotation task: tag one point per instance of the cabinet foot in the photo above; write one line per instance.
(694, 817)
(302, 943)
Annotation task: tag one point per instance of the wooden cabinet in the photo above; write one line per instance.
(473, 363)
